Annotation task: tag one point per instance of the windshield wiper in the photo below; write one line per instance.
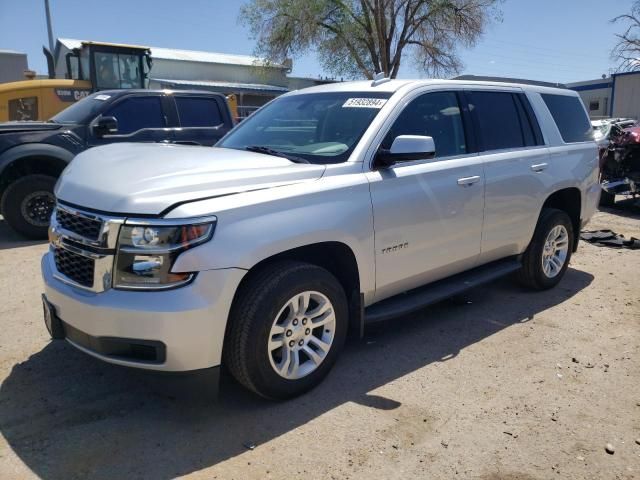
(275, 153)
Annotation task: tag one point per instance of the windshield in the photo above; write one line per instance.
(82, 110)
(317, 127)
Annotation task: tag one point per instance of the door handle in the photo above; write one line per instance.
(539, 167)
(468, 181)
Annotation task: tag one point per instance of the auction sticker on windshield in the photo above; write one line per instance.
(364, 102)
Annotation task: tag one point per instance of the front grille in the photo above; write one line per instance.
(78, 224)
(76, 267)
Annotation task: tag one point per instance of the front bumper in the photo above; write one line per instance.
(189, 321)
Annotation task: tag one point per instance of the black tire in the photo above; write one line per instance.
(254, 310)
(27, 204)
(532, 274)
(607, 199)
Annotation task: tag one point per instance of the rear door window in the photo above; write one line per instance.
(435, 115)
(198, 112)
(570, 117)
(137, 113)
(498, 120)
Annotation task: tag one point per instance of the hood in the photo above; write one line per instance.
(146, 179)
(16, 127)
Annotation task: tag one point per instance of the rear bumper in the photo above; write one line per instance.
(184, 327)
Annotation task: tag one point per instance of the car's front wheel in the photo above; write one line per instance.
(287, 326)
(27, 205)
(546, 260)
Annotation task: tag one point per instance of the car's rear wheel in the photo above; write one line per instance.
(27, 205)
(287, 326)
(547, 258)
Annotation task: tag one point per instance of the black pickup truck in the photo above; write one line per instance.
(33, 154)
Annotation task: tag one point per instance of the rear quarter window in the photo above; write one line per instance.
(570, 117)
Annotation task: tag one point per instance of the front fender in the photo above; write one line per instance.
(33, 150)
(266, 223)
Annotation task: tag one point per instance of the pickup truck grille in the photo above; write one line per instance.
(76, 267)
(83, 246)
(78, 224)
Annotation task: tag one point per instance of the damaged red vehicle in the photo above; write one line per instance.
(620, 165)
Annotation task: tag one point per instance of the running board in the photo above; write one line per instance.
(421, 297)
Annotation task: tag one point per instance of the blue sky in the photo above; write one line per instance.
(552, 40)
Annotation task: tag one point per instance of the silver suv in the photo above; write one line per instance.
(328, 208)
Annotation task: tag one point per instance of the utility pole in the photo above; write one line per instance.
(49, 28)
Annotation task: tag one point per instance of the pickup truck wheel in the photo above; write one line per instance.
(27, 205)
(288, 324)
(546, 259)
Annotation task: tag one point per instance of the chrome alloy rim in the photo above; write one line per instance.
(554, 253)
(37, 207)
(301, 335)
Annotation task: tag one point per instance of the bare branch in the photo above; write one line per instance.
(361, 37)
(626, 51)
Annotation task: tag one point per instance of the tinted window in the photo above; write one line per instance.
(529, 118)
(497, 118)
(435, 115)
(525, 123)
(570, 117)
(198, 112)
(134, 114)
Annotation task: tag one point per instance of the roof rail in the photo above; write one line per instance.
(379, 79)
(482, 78)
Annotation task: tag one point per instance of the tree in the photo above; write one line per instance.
(364, 37)
(627, 50)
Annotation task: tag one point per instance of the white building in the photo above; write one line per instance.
(596, 96)
(616, 96)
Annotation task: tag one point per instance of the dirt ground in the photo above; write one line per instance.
(501, 383)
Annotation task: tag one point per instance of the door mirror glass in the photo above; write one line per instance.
(105, 126)
(406, 148)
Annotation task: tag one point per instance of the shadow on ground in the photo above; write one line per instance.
(11, 239)
(69, 416)
(627, 207)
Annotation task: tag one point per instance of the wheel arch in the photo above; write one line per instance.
(32, 159)
(569, 200)
(337, 258)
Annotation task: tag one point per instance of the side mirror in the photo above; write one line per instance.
(105, 126)
(406, 148)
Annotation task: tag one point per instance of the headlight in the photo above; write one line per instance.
(148, 250)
